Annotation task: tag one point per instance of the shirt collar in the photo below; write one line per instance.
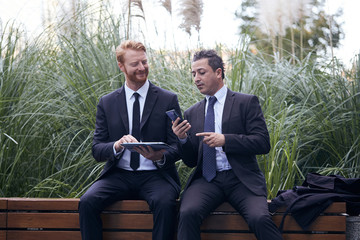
(141, 91)
(220, 95)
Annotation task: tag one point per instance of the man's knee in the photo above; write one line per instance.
(162, 202)
(256, 221)
(189, 212)
(88, 203)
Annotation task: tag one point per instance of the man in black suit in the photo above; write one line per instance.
(146, 174)
(221, 136)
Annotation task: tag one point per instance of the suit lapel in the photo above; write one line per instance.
(150, 101)
(198, 125)
(228, 105)
(121, 99)
(200, 116)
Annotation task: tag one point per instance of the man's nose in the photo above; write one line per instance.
(141, 66)
(196, 78)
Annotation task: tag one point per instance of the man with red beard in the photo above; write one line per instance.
(134, 113)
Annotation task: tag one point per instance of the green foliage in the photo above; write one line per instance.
(48, 103)
(315, 32)
(50, 86)
(312, 116)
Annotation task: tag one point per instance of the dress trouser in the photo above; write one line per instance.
(202, 197)
(119, 185)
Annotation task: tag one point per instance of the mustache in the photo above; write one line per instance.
(142, 71)
(199, 83)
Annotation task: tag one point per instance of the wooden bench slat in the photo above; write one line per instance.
(336, 207)
(71, 220)
(128, 205)
(314, 236)
(43, 220)
(145, 221)
(236, 222)
(43, 204)
(71, 235)
(69, 204)
(2, 234)
(45, 235)
(3, 203)
(251, 236)
(322, 223)
(3, 218)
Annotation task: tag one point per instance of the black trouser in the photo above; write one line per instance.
(119, 185)
(202, 197)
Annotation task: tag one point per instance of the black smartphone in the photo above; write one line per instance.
(172, 114)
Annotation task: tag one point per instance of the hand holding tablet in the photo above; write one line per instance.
(156, 146)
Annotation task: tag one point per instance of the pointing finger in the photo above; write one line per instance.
(204, 134)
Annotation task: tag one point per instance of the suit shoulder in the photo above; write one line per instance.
(167, 92)
(194, 107)
(110, 96)
(163, 92)
(244, 97)
(241, 95)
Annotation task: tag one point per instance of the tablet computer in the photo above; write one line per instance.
(155, 145)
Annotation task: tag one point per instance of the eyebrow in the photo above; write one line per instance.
(199, 69)
(135, 62)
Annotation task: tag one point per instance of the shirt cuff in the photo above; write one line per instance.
(161, 162)
(183, 140)
(116, 154)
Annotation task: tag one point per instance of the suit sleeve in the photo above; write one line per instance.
(189, 150)
(102, 149)
(256, 139)
(171, 138)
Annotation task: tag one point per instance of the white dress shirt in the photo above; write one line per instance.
(124, 162)
(222, 162)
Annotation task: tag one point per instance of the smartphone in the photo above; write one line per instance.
(172, 114)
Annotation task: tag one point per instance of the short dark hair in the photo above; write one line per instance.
(214, 60)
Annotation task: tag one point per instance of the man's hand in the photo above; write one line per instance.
(125, 139)
(149, 153)
(212, 139)
(180, 129)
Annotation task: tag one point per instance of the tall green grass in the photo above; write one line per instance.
(312, 114)
(50, 87)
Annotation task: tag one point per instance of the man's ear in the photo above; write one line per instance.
(218, 72)
(121, 66)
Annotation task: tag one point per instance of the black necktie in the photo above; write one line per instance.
(135, 157)
(209, 153)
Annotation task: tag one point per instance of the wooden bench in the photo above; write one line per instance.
(58, 219)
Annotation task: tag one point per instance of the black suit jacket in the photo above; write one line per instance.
(246, 135)
(112, 123)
